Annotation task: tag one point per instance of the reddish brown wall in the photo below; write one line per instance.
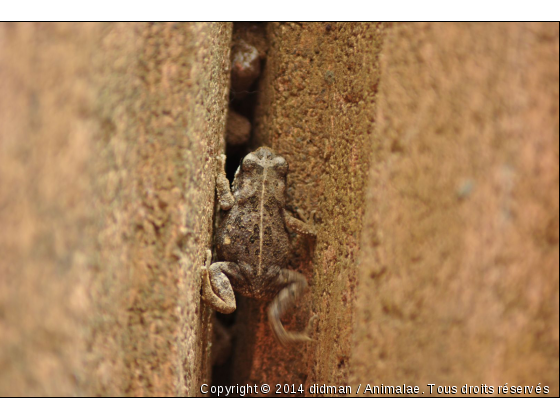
(426, 154)
(106, 193)
(459, 281)
(458, 247)
(316, 108)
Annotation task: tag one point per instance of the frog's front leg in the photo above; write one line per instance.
(293, 284)
(298, 226)
(225, 197)
(216, 286)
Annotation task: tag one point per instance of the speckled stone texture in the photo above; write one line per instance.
(429, 153)
(316, 108)
(459, 277)
(106, 203)
(426, 155)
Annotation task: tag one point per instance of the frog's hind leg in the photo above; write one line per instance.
(216, 287)
(293, 284)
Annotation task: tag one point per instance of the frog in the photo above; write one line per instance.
(253, 242)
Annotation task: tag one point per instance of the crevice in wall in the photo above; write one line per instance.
(248, 53)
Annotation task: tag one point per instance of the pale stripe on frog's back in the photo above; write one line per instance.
(261, 218)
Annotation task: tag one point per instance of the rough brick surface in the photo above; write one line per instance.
(426, 154)
(106, 193)
(316, 108)
(459, 276)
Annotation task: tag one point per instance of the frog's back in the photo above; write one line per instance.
(253, 233)
(252, 238)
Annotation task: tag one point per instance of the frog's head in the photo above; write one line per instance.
(264, 157)
(262, 166)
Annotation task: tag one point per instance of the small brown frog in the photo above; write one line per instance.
(252, 241)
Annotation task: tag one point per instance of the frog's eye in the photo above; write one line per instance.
(280, 165)
(249, 164)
